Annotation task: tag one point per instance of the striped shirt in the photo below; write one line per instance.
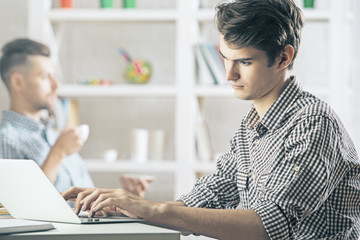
(297, 168)
(24, 138)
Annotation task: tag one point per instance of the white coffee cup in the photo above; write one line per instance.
(110, 155)
(139, 145)
(84, 131)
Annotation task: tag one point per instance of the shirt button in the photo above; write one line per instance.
(296, 168)
(256, 141)
(253, 176)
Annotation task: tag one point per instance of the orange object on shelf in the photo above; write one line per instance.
(66, 3)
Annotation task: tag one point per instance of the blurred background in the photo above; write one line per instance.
(176, 118)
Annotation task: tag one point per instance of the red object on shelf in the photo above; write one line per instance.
(66, 3)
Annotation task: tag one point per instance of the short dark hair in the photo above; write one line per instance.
(16, 53)
(267, 25)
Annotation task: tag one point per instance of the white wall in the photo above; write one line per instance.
(13, 24)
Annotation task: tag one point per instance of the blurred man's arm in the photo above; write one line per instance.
(68, 142)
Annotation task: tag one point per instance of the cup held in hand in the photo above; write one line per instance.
(84, 131)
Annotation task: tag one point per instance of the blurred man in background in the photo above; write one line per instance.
(29, 76)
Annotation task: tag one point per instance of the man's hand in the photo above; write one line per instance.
(106, 201)
(69, 141)
(136, 185)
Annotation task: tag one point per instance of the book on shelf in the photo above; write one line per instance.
(209, 63)
(66, 113)
(203, 142)
(203, 75)
(12, 225)
(204, 147)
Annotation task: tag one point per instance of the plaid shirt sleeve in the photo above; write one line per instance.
(218, 190)
(304, 180)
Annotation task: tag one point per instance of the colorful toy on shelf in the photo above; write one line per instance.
(309, 3)
(66, 3)
(96, 81)
(106, 3)
(129, 3)
(136, 71)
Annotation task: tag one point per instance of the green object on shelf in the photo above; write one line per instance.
(129, 3)
(106, 3)
(138, 72)
(309, 3)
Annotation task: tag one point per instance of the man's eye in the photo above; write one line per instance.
(245, 63)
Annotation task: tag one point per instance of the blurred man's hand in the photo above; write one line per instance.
(136, 185)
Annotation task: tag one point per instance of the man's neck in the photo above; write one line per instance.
(263, 104)
(27, 111)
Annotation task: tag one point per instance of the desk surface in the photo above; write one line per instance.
(106, 231)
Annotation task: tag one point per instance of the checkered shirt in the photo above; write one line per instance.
(297, 168)
(24, 138)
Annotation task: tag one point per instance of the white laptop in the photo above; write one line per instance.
(27, 193)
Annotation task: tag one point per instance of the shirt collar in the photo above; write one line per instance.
(278, 109)
(22, 121)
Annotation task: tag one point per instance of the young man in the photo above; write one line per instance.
(29, 76)
(291, 165)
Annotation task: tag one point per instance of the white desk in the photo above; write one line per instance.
(118, 231)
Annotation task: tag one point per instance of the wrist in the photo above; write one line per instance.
(159, 210)
(57, 153)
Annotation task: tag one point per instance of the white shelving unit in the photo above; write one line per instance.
(61, 16)
(96, 165)
(76, 90)
(187, 19)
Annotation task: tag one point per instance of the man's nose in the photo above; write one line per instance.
(232, 72)
(54, 82)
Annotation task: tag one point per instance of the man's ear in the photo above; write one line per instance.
(16, 81)
(286, 56)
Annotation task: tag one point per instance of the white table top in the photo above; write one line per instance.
(105, 231)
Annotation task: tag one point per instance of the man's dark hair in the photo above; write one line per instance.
(16, 53)
(267, 25)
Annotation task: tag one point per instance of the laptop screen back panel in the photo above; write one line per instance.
(27, 193)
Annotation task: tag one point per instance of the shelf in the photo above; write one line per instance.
(73, 90)
(99, 165)
(316, 15)
(72, 15)
(227, 91)
(207, 15)
(205, 167)
(214, 91)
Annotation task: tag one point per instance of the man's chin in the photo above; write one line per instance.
(49, 108)
(241, 96)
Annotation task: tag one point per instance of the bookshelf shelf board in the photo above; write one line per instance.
(205, 167)
(214, 91)
(316, 15)
(71, 15)
(73, 90)
(99, 165)
(207, 15)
